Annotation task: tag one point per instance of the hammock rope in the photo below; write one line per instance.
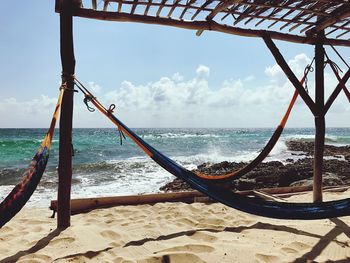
(252, 205)
(30, 179)
(335, 68)
(340, 56)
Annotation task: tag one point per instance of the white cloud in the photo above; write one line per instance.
(95, 88)
(178, 102)
(32, 113)
(297, 64)
(177, 77)
(202, 71)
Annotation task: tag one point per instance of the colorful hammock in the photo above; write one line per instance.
(21, 193)
(252, 205)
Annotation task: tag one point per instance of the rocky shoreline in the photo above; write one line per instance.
(336, 170)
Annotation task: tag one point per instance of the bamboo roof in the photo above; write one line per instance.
(290, 20)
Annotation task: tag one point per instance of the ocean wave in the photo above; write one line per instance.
(311, 137)
(170, 135)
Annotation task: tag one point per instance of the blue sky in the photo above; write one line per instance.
(158, 76)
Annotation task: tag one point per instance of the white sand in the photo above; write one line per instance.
(174, 232)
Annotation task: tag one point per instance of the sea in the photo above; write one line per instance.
(105, 166)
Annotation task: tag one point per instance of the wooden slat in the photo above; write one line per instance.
(201, 25)
(244, 14)
(176, 2)
(336, 28)
(300, 5)
(336, 15)
(221, 7)
(133, 7)
(342, 34)
(288, 6)
(206, 3)
(120, 5)
(148, 7)
(189, 3)
(278, 9)
(322, 8)
(161, 7)
(105, 5)
(298, 18)
(259, 11)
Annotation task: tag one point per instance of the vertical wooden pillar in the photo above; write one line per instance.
(319, 119)
(65, 137)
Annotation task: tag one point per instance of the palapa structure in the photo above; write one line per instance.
(312, 22)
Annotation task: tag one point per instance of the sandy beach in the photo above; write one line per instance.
(175, 232)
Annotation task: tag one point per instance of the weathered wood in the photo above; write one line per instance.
(88, 204)
(336, 15)
(201, 25)
(279, 190)
(221, 7)
(65, 137)
(85, 204)
(175, 5)
(333, 15)
(320, 128)
(94, 4)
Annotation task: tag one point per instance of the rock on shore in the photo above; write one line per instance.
(336, 170)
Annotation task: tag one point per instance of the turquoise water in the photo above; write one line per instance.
(104, 167)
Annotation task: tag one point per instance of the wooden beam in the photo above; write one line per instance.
(65, 137)
(289, 73)
(336, 92)
(320, 126)
(337, 15)
(201, 25)
(87, 204)
(276, 194)
(222, 6)
(94, 4)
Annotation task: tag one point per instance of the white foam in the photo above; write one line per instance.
(170, 135)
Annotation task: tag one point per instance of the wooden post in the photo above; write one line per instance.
(289, 73)
(319, 118)
(65, 138)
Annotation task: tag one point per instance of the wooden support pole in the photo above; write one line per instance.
(65, 138)
(289, 73)
(319, 118)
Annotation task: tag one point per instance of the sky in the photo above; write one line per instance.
(157, 76)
